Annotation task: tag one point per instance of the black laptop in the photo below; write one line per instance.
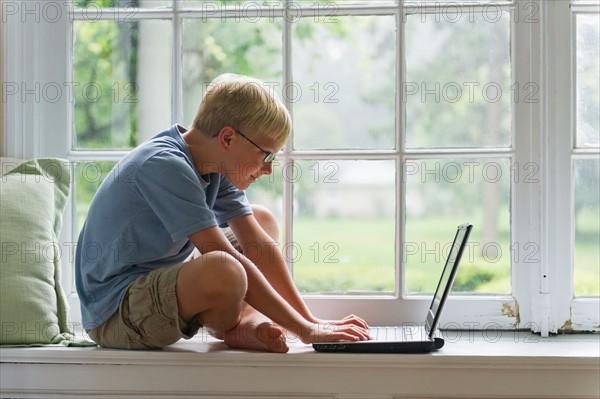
(412, 338)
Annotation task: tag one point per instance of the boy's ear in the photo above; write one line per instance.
(225, 135)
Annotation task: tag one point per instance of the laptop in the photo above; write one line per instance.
(412, 338)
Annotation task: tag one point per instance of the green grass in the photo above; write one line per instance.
(358, 255)
(586, 273)
(343, 255)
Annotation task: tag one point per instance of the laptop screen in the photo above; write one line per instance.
(445, 283)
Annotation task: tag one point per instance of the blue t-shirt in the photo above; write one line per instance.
(141, 217)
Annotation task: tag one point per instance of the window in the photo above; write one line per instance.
(410, 117)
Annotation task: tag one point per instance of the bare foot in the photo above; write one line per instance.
(265, 336)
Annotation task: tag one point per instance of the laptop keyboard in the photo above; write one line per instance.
(399, 333)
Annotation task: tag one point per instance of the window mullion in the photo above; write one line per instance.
(450, 9)
(94, 14)
(177, 113)
(525, 175)
(555, 295)
(400, 147)
(288, 189)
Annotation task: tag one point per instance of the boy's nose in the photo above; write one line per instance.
(267, 168)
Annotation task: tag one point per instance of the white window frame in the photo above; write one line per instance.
(566, 311)
(37, 51)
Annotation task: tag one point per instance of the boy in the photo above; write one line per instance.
(137, 287)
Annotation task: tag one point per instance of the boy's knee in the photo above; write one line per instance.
(266, 220)
(262, 214)
(227, 275)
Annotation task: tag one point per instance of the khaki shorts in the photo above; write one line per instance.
(148, 317)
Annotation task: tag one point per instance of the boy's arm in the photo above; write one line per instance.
(260, 248)
(262, 297)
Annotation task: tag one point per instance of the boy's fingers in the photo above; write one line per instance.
(346, 337)
(344, 332)
(357, 332)
(352, 319)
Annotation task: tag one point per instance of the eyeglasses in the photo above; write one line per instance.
(269, 157)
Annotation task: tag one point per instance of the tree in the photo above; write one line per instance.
(105, 68)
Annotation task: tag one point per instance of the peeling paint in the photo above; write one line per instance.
(568, 326)
(507, 310)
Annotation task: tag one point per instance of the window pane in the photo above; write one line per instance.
(88, 177)
(214, 46)
(588, 80)
(344, 78)
(587, 227)
(122, 82)
(440, 195)
(458, 88)
(344, 226)
(268, 192)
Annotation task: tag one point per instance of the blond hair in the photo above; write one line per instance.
(245, 103)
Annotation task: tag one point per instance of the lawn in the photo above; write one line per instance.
(587, 252)
(344, 255)
(358, 255)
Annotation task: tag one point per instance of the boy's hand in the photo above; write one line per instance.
(348, 320)
(329, 332)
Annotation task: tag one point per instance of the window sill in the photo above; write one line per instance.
(471, 365)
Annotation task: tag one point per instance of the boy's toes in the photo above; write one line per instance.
(273, 337)
(265, 337)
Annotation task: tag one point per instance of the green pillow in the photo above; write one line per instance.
(33, 306)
